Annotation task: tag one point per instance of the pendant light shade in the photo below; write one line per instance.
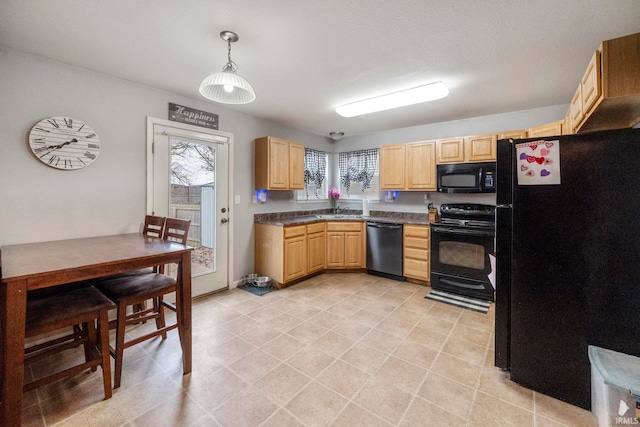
(227, 87)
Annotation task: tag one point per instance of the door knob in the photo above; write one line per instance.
(224, 220)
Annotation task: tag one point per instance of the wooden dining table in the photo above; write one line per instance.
(41, 265)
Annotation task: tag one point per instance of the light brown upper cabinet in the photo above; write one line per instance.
(547, 129)
(279, 164)
(608, 96)
(408, 167)
(513, 134)
(392, 167)
(420, 164)
(479, 148)
(450, 150)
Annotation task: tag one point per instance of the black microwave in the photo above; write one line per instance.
(467, 178)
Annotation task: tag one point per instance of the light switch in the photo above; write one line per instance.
(237, 199)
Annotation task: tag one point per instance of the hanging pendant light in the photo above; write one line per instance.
(227, 87)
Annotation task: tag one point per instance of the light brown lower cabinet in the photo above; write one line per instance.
(345, 244)
(290, 253)
(416, 252)
(316, 247)
(295, 256)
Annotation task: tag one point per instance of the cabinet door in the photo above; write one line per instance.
(420, 161)
(549, 129)
(316, 252)
(335, 249)
(296, 166)
(278, 164)
(480, 148)
(575, 111)
(591, 84)
(295, 258)
(515, 134)
(450, 150)
(353, 249)
(392, 167)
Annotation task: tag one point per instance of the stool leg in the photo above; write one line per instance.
(160, 321)
(120, 328)
(92, 341)
(103, 332)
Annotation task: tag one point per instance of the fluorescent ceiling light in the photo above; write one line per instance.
(412, 96)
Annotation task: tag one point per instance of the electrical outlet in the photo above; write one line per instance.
(254, 199)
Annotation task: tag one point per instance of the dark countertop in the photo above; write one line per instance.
(308, 219)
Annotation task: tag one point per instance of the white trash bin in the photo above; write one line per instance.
(615, 387)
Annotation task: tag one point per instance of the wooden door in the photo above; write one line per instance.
(316, 252)
(335, 249)
(591, 84)
(353, 249)
(278, 164)
(420, 162)
(480, 148)
(295, 258)
(450, 150)
(296, 166)
(515, 134)
(392, 167)
(548, 129)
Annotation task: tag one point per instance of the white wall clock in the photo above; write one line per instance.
(64, 143)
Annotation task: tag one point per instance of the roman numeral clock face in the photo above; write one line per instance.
(64, 143)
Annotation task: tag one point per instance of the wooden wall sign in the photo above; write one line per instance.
(182, 114)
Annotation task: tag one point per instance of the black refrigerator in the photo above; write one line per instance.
(567, 257)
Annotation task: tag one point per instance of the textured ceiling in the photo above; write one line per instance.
(305, 58)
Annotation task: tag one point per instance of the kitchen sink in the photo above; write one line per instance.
(337, 216)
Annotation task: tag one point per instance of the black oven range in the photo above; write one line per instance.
(460, 246)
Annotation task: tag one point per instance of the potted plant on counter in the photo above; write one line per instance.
(334, 195)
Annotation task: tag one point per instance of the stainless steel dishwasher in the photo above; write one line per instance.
(384, 249)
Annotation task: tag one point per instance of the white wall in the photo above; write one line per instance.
(39, 203)
(415, 201)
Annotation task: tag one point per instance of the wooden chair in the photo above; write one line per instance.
(153, 227)
(134, 290)
(76, 307)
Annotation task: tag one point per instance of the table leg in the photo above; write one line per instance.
(13, 297)
(183, 300)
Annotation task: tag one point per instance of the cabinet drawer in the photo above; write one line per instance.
(315, 228)
(414, 242)
(416, 231)
(416, 254)
(298, 230)
(416, 269)
(344, 226)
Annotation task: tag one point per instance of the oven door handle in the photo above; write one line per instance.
(462, 285)
(464, 231)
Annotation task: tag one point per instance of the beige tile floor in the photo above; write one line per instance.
(337, 349)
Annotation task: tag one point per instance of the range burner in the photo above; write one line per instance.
(468, 215)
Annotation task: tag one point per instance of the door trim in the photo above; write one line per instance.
(151, 121)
